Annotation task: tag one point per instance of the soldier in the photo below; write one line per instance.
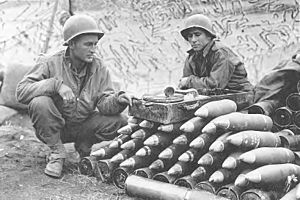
(283, 80)
(210, 64)
(70, 95)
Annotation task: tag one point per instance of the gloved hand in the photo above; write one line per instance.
(66, 94)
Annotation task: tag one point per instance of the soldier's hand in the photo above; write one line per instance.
(66, 94)
(183, 83)
(125, 98)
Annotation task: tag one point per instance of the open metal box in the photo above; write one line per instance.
(167, 110)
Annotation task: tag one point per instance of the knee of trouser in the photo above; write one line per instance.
(40, 104)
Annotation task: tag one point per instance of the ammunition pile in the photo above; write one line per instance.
(230, 153)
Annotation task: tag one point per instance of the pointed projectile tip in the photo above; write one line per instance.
(182, 139)
(199, 172)
(241, 180)
(117, 158)
(128, 145)
(176, 169)
(98, 153)
(138, 134)
(217, 146)
(229, 163)
(187, 127)
(210, 128)
(127, 163)
(184, 157)
(198, 142)
(126, 130)
(141, 152)
(146, 124)
(235, 139)
(248, 157)
(253, 176)
(158, 164)
(222, 123)
(206, 159)
(216, 177)
(114, 144)
(166, 128)
(166, 154)
(202, 112)
(151, 141)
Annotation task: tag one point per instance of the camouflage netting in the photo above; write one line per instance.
(142, 45)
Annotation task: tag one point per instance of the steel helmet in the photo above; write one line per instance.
(80, 24)
(197, 21)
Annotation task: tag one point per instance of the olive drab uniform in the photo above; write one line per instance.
(216, 66)
(92, 118)
(280, 82)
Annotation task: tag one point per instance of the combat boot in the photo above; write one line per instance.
(56, 161)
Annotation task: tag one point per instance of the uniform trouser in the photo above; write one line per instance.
(51, 128)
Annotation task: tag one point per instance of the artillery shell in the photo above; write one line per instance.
(87, 165)
(257, 194)
(254, 139)
(117, 142)
(237, 121)
(232, 161)
(119, 176)
(273, 173)
(121, 156)
(185, 138)
(194, 124)
(152, 189)
(104, 170)
(208, 186)
(182, 168)
(165, 177)
(268, 155)
(174, 150)
(216, 108)
(169, 128)
(282, 117)
(293, 101)
(230, 191)
(128, 129)
(145, 172)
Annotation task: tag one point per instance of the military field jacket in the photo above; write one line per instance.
(280, 82)
(46, 77)
(216, 67)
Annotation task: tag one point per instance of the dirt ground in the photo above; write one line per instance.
(22, 161)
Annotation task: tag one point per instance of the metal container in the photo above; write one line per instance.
(164, 111)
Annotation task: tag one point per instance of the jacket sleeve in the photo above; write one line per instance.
(278, 84)
(107, 102)
(223, 66)
(37, 82)
(187, 70)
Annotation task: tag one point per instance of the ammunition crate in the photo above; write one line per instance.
(175, 111)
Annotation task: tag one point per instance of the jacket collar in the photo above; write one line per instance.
(67, 61)
(206, 49)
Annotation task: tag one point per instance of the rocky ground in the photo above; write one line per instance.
(22, 161)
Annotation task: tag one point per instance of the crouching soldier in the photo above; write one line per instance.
(70, 95)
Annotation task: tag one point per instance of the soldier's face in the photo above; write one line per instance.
(198, 38)
(84, 47)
